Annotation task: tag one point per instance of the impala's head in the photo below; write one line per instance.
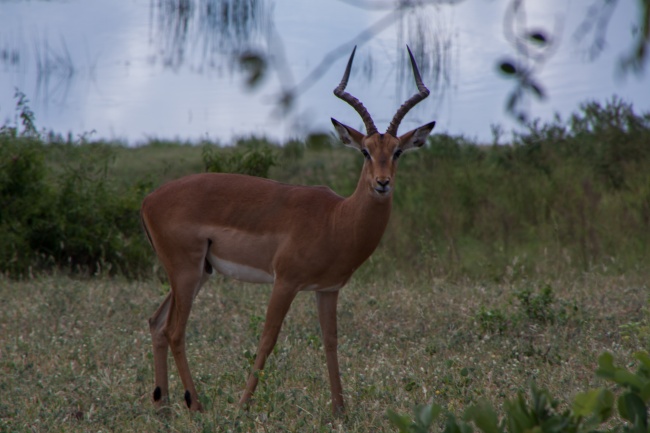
(382, 151)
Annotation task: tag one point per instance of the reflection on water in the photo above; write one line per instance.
(9, 57)
(208, 31)
(233, 41)
(55, 71)
(432, 42)
(222, 68)
(219, 35)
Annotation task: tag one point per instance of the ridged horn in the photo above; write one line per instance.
(340, 92)
(412, 101)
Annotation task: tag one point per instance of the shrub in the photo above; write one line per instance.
(588, 412)
(75, 218)
(565, 196)
(250, 159)
(26, 201)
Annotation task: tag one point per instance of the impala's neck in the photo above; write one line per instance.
(367, 216)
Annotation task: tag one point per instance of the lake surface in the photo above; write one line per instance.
(138, 69)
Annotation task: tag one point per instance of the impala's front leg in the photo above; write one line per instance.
(326, 302)
(281, 298)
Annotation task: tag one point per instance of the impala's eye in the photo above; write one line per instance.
(366, 154)
(397, 154)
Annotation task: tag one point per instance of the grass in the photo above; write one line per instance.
(501, 265)
(76, 355)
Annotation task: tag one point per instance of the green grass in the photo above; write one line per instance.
(500, 265)
(76, 355)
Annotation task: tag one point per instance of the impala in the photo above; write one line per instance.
(299, 238)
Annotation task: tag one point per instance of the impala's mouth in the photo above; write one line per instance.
(382, 190)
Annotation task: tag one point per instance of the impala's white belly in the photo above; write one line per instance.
(240, 272)
(320, 288)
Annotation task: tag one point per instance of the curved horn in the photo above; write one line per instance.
(354, 102)
(412, 101)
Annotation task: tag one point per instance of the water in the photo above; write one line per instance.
(136, 69)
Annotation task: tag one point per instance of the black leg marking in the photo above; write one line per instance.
(188, 399)
(157, 394)
(207, 265)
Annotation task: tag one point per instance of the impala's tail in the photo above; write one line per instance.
(144, 227)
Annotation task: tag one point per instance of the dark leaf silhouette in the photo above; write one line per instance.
(537, 90)
(538, 36)
(507, 67)
(255, 66)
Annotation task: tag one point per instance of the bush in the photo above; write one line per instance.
(97, 224)
(563, 195)
(589, 411)
(26, 201)
(253, 159)
(74, 219)
(567, 196)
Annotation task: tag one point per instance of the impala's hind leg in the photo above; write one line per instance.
(185, 286)
(167, 327)
(159, 339)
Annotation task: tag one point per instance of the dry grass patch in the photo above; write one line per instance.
(75, 354)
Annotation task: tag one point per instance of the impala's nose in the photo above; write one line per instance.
(383, 182)
(383, 185)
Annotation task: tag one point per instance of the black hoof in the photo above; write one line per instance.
(157, 394)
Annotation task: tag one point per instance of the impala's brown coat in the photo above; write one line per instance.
(302, 234)
(299, 238)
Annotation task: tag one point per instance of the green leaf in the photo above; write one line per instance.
(626, 378)
(598, 402)
(632, 408)
(402, 422)
(453, 426)
(644, 357)
(518, 417)
(644, 393)
(425, 415)
(556, 424)
(484, 417)
(606, 367)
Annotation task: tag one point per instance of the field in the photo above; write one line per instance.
(76, 353)
(502, 266)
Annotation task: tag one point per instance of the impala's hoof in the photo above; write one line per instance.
(245, 403)
(160, 398)
(193, 405)
(157, 394)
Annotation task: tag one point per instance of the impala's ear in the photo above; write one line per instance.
(416, 138)
(349, 136)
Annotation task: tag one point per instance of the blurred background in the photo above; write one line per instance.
(223, 69)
